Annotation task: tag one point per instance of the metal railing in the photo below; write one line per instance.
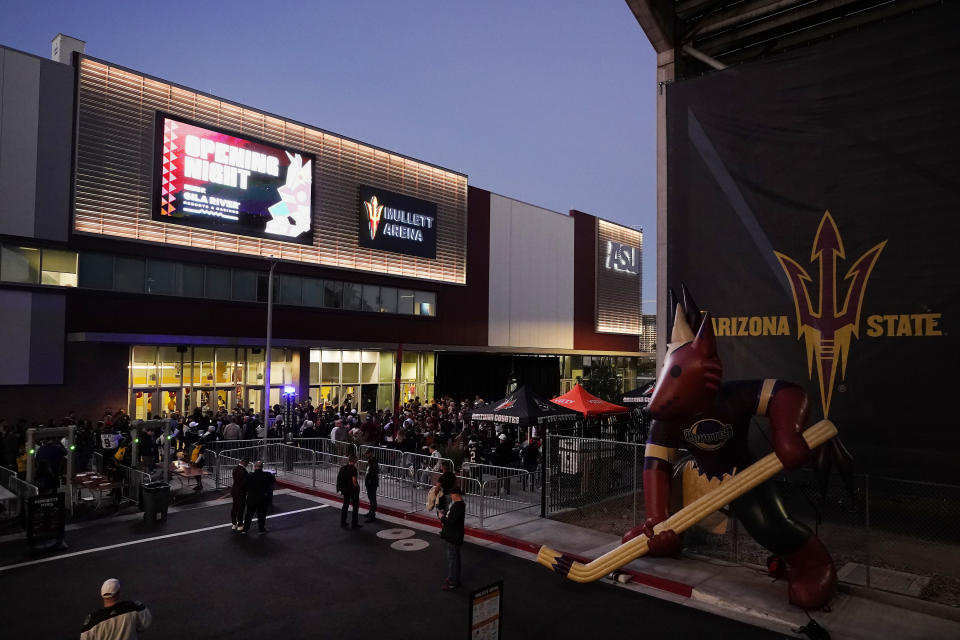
(507, 494)
(326, 445)
(131, 480)
(21, 490)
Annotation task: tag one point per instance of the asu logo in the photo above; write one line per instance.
(374, 211)
(828, 327)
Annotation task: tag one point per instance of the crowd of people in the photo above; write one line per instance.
(437, 428)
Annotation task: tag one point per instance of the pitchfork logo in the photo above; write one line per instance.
(827, 328)
(374, 211)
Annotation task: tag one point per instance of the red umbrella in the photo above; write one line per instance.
(589, 405)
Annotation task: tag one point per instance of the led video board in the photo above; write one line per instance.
(215, 180)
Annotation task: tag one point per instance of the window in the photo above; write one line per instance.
(244, 285)
(388, 300)
(191, 280)
(161, 277)
(290, 289)
(332, 294)
(312, 292)
(425, 303)
(263, 287)
(351, 296)
(95, 271)
(20, 264)
(128, 274)
(59, 268)
(370, 301)
(217, 283)
(405, 301)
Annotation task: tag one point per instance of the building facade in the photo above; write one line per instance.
(140, 219)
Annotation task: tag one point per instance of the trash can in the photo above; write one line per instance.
(155, 500)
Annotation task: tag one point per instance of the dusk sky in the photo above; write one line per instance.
(552, 103)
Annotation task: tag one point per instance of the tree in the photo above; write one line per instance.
(604, 381)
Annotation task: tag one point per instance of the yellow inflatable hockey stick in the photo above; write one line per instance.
(758, 472)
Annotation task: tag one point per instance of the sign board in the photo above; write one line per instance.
(486, 612)
(623, 258)
(216, 180)
(46, 517)
(394, 222)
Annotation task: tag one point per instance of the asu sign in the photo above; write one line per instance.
(397, 223)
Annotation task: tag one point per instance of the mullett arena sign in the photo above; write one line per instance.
(397, 223)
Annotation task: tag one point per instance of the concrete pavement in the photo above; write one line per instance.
(735, 591)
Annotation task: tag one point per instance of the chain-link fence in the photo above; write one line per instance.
(580, 472)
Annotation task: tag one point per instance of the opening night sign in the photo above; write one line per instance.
(216, 180)
(397, 223)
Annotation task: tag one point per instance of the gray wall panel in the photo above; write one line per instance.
(15, 312)
(18, 143)
(54, 151)
(47, 336)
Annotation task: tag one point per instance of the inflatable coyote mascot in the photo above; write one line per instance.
(693, 409)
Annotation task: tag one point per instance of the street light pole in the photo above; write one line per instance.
(266, 357)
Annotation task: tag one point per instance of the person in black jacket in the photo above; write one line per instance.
(349, 488)
(258, 490)
(452, 532)
(239, 494)
(371, 481)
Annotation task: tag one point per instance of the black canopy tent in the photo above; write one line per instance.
(523, 408)
(639, 396)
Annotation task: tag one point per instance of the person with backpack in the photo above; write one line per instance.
(349, 487)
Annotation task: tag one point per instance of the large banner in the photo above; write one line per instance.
(217, 180)
(814, 210)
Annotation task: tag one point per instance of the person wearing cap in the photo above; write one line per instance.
(453, 520)
(117, 620)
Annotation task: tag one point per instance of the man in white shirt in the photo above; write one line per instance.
(117, 620)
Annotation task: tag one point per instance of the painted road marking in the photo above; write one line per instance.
(410, 544)
(395, 534)
(143, 540)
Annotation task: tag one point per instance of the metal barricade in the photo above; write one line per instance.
(223, 473)
(328, 466)
(20, 489)
(225, 445)
(385, 456)
(271, 453)
(300, 462)
(506, 494)
(326, 445)
(131, 479)
(396, 483)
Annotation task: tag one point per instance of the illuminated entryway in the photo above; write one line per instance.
(164, 379)
(365, 379)
(170, 378)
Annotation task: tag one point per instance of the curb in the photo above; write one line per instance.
(646, 579)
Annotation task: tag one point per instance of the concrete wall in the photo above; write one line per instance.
(31, 337)
(531, 276)
(36, 138)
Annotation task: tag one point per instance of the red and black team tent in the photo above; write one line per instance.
(523, 408)
(589, 405)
